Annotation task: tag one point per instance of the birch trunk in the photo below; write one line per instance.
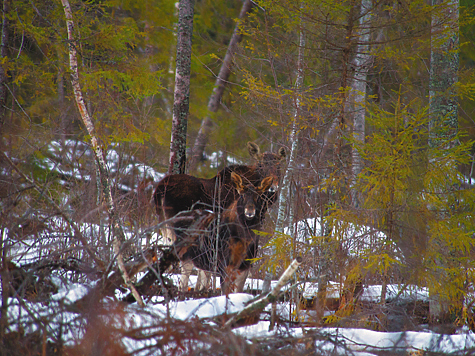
(357, 97)
(353, 107)
(99, 154)
(218, 90)
(293, 140)
(181, 103)
(249, 315)
(5, 284)
(284, 196)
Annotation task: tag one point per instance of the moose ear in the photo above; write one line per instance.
(282, 153)
(254, 150)
(237, 181)
(265, 184)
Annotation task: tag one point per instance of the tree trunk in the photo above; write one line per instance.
(284, 196)
(357, 97)
(3, 73)
(5, 283)
(338, 124)
(181, 104)
(443, 109)
(218, 90)
(293, 140)
(99, 155)
(444, 66)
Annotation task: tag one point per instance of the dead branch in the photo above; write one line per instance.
(248, 315)
(77, 233)
(125, 275)
(107, 286)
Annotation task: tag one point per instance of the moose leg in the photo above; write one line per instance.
(241, 277)
(228, 279)
(186, 268)
(168, 234)
(202, 283)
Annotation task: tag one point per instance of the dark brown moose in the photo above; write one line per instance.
(224, 241)
(181, 192)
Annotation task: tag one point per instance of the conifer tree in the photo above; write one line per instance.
(443, 103)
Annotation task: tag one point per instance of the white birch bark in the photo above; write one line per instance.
(284, 195)
(293, 140)
(99, 155)
(257, 306)
(357, 96)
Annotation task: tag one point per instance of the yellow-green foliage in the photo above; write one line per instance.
(415, 195)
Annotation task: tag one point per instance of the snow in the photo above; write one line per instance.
(367, 342)
(216, 159)
(65, 159)
(205, 308)
(69, 295)
(328, 340)
(354, 238)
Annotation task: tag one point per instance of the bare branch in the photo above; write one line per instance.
(255, 308)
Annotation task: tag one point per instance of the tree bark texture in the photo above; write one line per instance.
(3, 73)
(284, 196)
(181, 104)
(444, 66)
(338, 124)
(99, 155)
(218, 90)
(443, 110)
(357, 96)
(254, 309)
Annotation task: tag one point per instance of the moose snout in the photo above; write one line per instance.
(250, 213)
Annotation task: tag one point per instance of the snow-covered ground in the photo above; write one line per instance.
(334, 341)
(56, 317)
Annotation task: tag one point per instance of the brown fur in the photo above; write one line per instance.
(182, 192)
(237, 241)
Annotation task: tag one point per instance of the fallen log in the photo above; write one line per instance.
(250, 314)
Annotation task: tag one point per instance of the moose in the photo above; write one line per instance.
(182, 192)
(224, 241)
